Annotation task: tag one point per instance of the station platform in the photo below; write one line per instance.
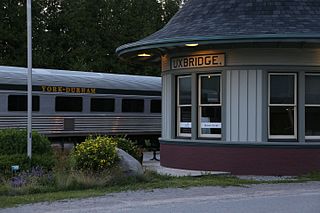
(149, 163)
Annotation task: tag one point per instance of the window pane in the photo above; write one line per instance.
(102, 105)
(155, 106)
(312, 89)
(68, 104)
(20, 103)
(184, 90)
(312, 121)
(185, 120)
(282, 120)
(211, 120)
(132, 105)
(210, 89)
(282, 89)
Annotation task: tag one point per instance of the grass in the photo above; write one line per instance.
(149, 181)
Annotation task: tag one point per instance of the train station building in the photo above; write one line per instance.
(240, 85)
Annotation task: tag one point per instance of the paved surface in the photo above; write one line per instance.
(151, 164)
(278, 198)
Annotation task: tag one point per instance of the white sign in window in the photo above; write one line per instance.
(210, 125)
(185, 124)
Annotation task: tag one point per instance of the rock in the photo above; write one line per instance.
(128, 164)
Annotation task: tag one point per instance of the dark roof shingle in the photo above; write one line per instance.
(242, 17)
(233, 19)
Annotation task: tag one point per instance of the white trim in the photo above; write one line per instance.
(312, 137)
(178, 109)
(282, 137)
(294, 105)
(200, 105)
(310, 105)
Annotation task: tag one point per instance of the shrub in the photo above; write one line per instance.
(14, 141)
(128, 146)
(6, 161)
(13, 150)
(95, 154)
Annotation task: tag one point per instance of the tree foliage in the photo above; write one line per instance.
(80, 34)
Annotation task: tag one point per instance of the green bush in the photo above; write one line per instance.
(128, 146)
(14, 141)
(95, 154)
(6, 161)
(13, 150)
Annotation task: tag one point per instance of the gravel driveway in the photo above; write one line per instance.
(199, 199)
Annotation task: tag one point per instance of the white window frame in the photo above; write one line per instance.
(294, 105)
(311, 105)
(180, 134)
(207, 105)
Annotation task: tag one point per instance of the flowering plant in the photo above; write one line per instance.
(95, 154)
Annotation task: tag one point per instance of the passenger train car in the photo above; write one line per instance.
(73, 103)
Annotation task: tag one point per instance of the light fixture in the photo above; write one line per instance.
(191, 44)
(144, 55)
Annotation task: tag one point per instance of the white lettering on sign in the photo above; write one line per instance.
(208, 125)
(185, 124)
(216, 60)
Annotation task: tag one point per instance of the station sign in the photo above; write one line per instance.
(199, 61)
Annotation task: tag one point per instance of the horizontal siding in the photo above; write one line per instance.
(54, 126)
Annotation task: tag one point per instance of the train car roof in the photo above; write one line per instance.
(52, 77)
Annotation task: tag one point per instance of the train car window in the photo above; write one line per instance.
(20, 103)
(155, 106)
(68, 104)
(102, 105)
(132, 105)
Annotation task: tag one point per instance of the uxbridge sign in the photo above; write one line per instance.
(216, 60)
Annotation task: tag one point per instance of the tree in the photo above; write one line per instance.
(13, 32)
(81, 34)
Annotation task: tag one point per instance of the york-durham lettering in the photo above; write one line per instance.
(68, 89)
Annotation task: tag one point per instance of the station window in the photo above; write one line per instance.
(312, 106)
(20, 103)
(282, 106)
(68, 104)
(132, 105)
(184, 106)
(102, 105)
(155, 106)
(210, 106)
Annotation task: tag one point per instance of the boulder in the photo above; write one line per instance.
(128, 164)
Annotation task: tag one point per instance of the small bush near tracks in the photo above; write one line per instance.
(129, 146)
(13, 151)
(95, 154)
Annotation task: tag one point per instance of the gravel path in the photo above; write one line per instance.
(155, 200)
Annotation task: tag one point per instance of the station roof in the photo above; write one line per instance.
(214, 22)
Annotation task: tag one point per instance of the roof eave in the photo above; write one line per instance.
(156, 46)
